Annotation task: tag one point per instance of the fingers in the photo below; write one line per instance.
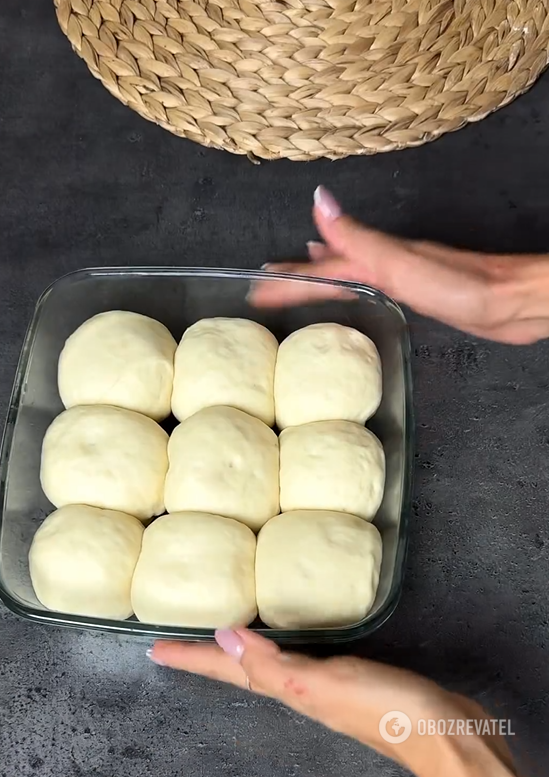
(364, 248)
(317, 251)
(333, 267)
(237, 654)
(351, 252)
(437, 282)
(274, 293)
(208, 660)
(272, 672)
(373, 257)
(242, 654)
(269, 671)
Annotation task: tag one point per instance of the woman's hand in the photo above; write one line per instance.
(502, 298)
(351, 696)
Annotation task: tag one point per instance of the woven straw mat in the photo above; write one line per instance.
(304, 79)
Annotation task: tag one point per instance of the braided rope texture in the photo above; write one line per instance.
(304, 79)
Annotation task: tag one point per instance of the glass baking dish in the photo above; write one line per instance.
(179, 297)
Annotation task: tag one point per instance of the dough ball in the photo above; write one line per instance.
(326, 372)
(225, 361)
(82, 560)
(196, 570)
(331, 465)
(224, 461)
(105, 457)
(119, 358)
(316, 569)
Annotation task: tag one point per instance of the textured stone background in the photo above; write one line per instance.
(84, 181)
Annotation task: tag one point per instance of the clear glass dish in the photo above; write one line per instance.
(179, 297)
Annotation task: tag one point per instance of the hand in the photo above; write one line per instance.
(350, 696)
(502, 298)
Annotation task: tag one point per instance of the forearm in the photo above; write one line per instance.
(529, 284)
(520, 284)
(460, 752)
(449, 734)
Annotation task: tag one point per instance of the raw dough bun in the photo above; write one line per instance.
(326, 372)
(316, 569)
(196, 570)
(119, 358)
(225, 361)
(82, 560)
(105, 457)
(331, 465)
(224, 461)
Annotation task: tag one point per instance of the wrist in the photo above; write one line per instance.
(458, 754)
(453, 757)
(474, 757)
(524, 281)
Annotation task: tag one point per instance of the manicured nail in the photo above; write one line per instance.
(327, 203)
(251, 290)
(316, 250)
(153, 657)
(229, 641)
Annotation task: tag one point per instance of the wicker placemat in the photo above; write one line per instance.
(304, 79)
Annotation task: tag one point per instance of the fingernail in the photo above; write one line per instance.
(153, 657)
(265, 266)
(316, 250)
(327, 203)
(251, 290)
(229, 641)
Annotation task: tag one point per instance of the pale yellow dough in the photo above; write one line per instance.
(226, 462)
(82, 559)
(105, 457)
(326, 372)
(331, 465)
(225, 361)
(119, 358)
(196, 570)
(316, 569)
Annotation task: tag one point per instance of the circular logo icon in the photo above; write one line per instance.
(395, 727)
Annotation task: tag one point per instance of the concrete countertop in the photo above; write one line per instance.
(85, 181)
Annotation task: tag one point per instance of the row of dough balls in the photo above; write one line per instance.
(220, 460)
(321, 372)
(307, 569)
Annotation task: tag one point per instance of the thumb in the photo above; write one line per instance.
(370, 254)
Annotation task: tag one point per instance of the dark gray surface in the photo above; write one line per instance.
(84, 181)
